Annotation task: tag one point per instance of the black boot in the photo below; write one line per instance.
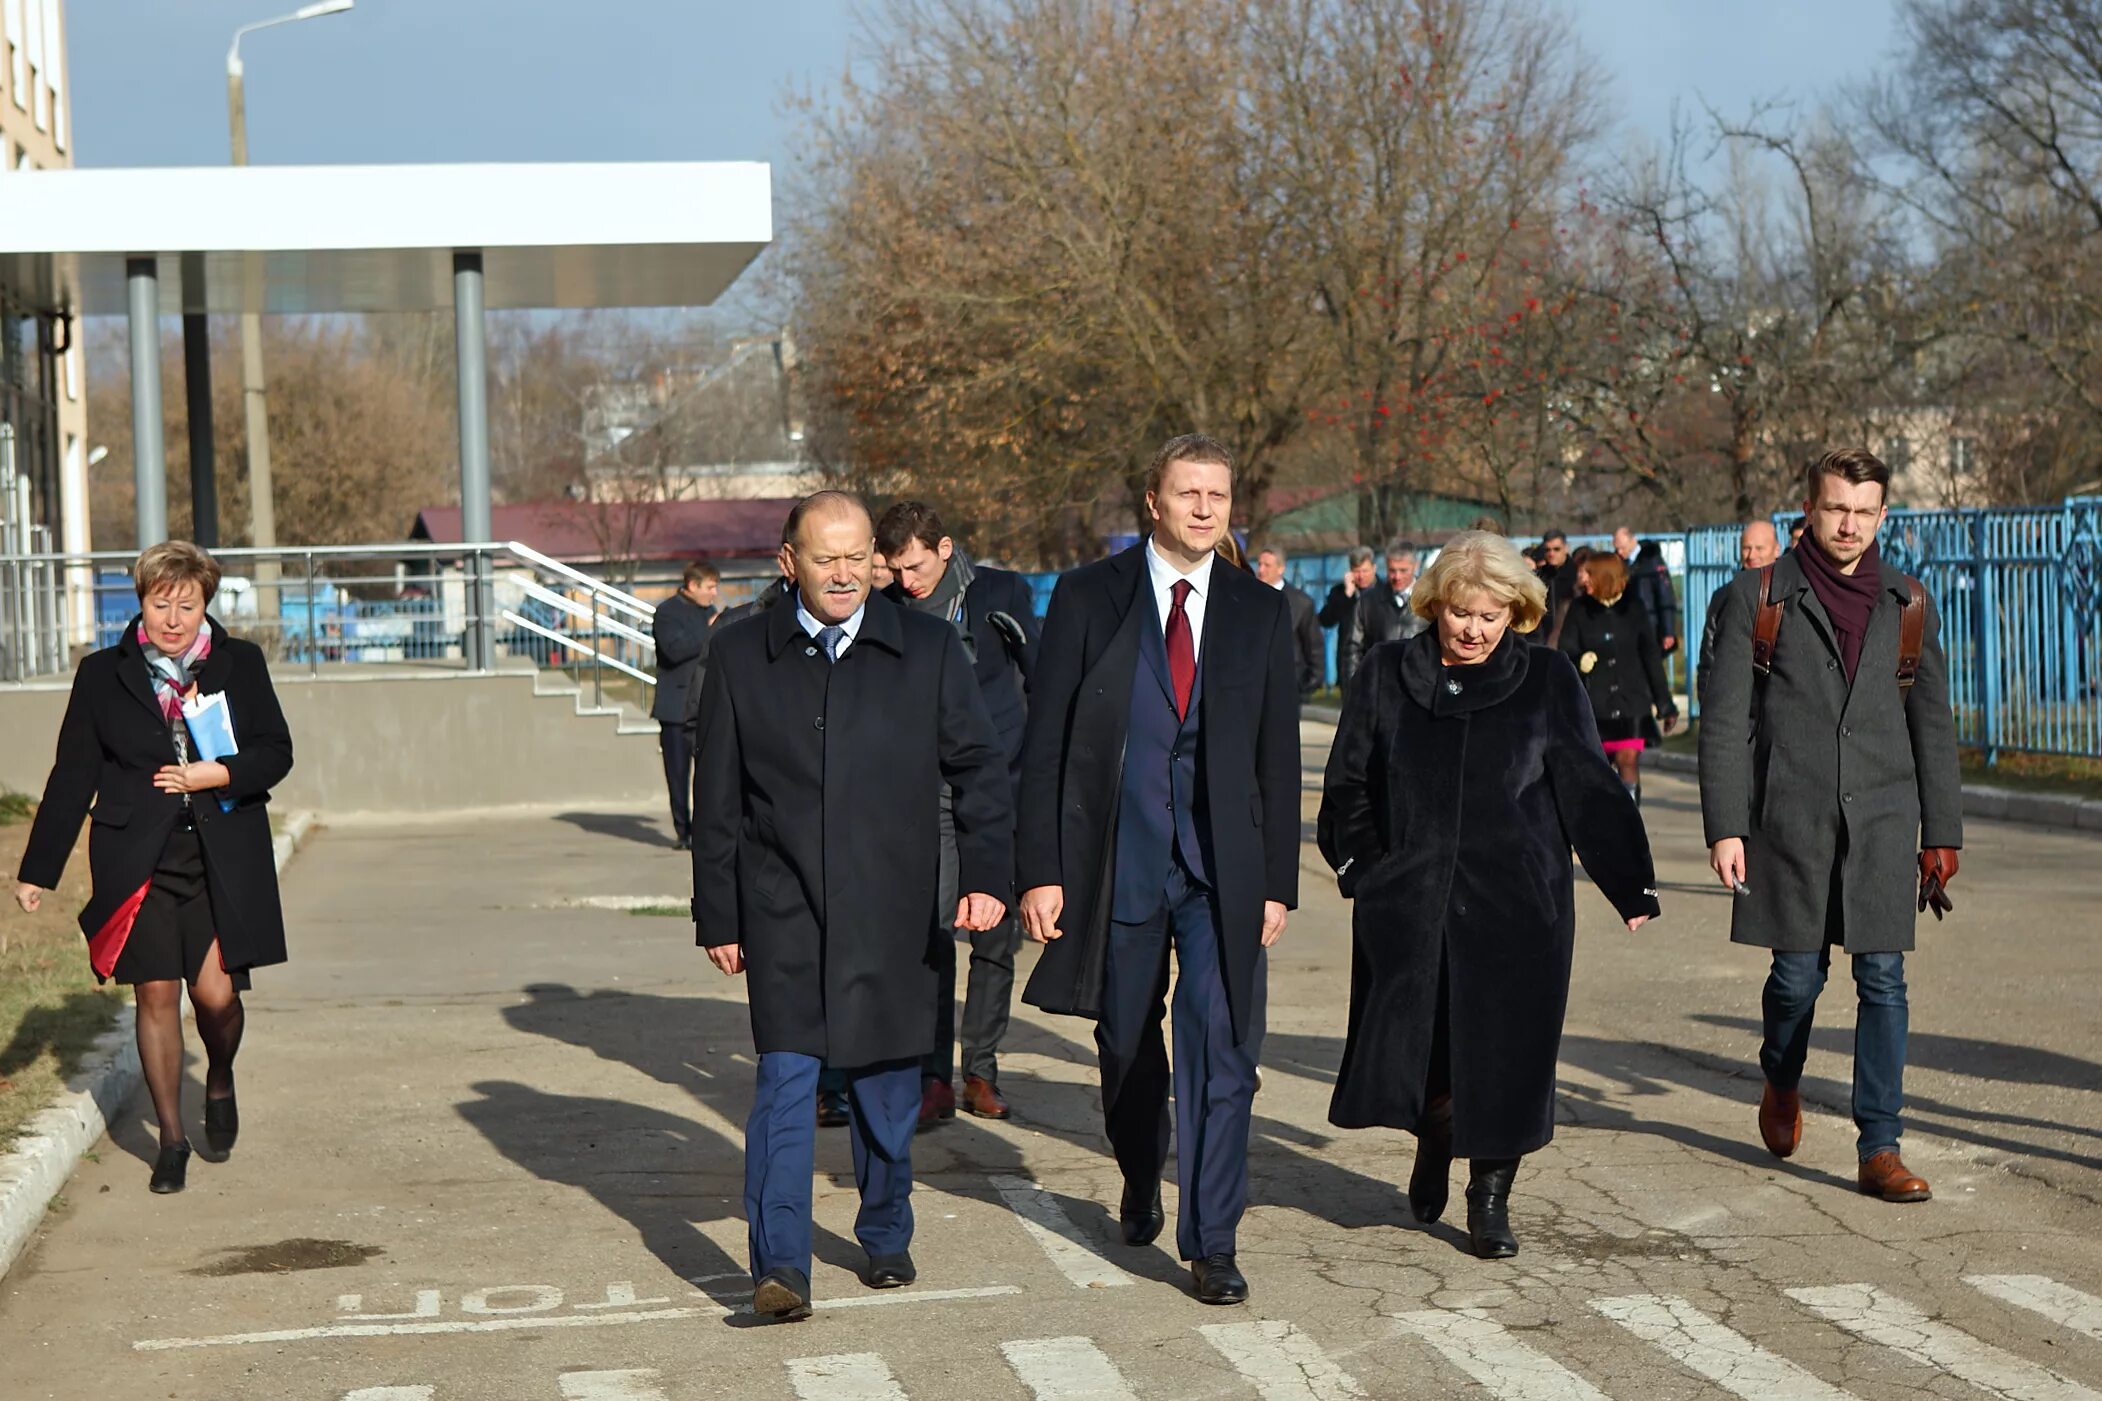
(171, 1167)
(1430, 1183)
(1489, 1207)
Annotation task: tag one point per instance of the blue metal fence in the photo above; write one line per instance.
(2019, 591)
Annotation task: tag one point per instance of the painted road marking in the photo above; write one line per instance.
(1482, 1348)
(1722, 1355)
(541, 1320)
(633, 1384)
(847, 1376)
(1284, 1363)
(1066, 1369)
(1049, 1226)
(390, 1393)
(1883, 1318)
(2061, 1303)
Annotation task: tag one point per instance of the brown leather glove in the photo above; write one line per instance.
(1937, 869)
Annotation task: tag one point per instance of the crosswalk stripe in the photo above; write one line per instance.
(1284, 1363)
(1892, 1322)
(846, 1376)
(1066, 1369)
(632, 1384)
(1482, 1348)
(1722, 1355)
(1053, 1230)
(390, 1393)
(2061, 1303)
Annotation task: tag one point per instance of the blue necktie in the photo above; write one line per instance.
(829, 638)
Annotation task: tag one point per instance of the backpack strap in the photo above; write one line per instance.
(1766, 624)
(1912, 633)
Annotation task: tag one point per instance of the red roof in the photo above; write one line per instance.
(591, 531)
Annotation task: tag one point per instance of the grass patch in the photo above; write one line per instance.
(50, 1009)
(15, 807)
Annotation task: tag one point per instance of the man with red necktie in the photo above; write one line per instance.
(1160, 810)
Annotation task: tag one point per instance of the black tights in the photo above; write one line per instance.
(220, 1019)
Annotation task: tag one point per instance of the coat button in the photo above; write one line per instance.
(1831, 665)
(1846, 731)
(1846, 797)
(818, 723)
(810, 651)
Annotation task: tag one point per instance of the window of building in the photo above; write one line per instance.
(55, 71)
(16, 25)
(73, 366)
(1897, 455)
(1963, 458)
(39, 92)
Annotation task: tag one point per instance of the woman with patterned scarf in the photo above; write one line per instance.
(183, 880)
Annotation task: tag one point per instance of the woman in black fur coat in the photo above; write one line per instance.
(1466, 765)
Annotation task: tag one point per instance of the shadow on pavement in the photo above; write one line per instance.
(625, 826)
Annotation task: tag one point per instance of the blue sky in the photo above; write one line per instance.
(459, 80)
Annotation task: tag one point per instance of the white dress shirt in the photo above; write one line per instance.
(809, 623)
(1163, 577)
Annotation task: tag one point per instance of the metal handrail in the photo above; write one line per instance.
(575, 646)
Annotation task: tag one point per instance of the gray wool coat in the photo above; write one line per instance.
(1834, 789)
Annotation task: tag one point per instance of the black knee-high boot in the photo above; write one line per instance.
(1430, 1182)
(1489, 1207)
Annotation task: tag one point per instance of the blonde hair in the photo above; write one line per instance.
(1477, 559)
(173, 563)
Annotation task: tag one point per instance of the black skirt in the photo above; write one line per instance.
(174, 932)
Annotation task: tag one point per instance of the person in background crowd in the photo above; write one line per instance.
(1831, 797)
(1555, 570)
(1230, 551)
(880, 575)
(681, 629)
(1402, 622)
(1607, 635)
(1795, 531)
(994, 614)
(1465, 767)
(1306, 628)
(1558, 609)
(1757, 545)
(813, 710)
(184, 878)
(1340, 610)
(1649, 584)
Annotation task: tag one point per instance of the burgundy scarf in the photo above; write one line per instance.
(1849, 598)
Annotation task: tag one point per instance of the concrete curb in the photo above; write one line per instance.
(2061, 810)
(51, 1144)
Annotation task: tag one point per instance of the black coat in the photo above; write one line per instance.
(1649, 582)
(680, 628)
(1307, 645)
(1002, 670)
(1363, 622)
(112, 742)
(816, 842)
(1072, 768)
(1625, 680)
(1449, 816)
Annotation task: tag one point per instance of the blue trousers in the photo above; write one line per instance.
(1214, 1077)
(780, 1154)
(1880, 1022)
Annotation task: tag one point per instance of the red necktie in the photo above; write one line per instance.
(1182, 652)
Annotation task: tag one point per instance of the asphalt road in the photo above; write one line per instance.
(492, 1149)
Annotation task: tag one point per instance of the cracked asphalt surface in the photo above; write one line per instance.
(492, 1149)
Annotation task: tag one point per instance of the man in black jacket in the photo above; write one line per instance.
(1649, 581)
(816, 711)
(1340, 610)
(994, 613)
(1160, 809)
(681, 628)
(1306, 629)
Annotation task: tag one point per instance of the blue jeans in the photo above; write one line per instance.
(1880, 1022)
(780, 1153)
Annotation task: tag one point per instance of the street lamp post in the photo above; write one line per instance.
(262, 506)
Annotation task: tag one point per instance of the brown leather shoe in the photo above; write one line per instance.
(1886, 1176)
(1780, 1120)
(937, 1102)
(982, 1098)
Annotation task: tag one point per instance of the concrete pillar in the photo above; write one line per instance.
(149, 466)
(473, 376)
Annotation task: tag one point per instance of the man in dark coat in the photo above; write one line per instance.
(828, 727)
(1340, 610)
(1831, 798)
(1307, 643)
(1649, 584)
(681, 627)
(1160, 808)
(994, 613)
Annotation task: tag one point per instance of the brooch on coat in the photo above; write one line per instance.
(1586, 662)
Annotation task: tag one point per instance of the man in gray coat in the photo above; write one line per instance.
(1830, 794)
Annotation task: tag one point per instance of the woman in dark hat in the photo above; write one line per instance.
(184, 883)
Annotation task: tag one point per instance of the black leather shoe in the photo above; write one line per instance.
(1430, 1181)
(1142, 1218)
(890, 1271)
(1218, 1282)
(1489, 1209)
(222, 1124)
(831, 1109)
(783, 1293)
(171, 1168)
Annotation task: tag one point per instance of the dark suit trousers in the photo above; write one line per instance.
(1214, 1079)
(780, 1153)
(676, 742)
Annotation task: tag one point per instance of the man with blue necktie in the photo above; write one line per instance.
(1160, 811)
